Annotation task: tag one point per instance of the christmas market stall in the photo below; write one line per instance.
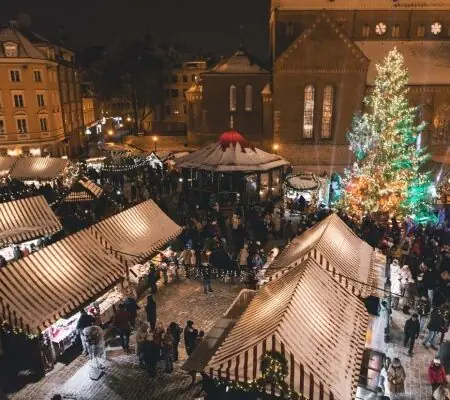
(136, 235)
(234, 170)
(83, 190)
(6, 165)
(314, 190)
(24, 224)
(39, 169)
(41, 295)
(276, 345)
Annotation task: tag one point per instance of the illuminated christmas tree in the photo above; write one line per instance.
(387, 176)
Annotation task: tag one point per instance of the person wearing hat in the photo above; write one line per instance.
(436, 375)
(396, 378)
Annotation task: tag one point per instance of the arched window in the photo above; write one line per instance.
(308, 112)
(421, 31)
(366, 31)
(248, 98)
(327, 112)
(441, 133)
(396, 31)
(232, 98)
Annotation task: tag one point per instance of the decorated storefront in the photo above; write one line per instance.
(233, 170)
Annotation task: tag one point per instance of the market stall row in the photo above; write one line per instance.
(42, 293)
(32, 168)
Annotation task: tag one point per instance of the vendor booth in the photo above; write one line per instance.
(6, 165)
(314, 189)
(234, 170)
(39, 168)
(23, 223)
(83, 190)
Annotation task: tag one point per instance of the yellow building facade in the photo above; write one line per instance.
(33, 120)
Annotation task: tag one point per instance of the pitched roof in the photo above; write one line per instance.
(231, 153)
(361, 4)
(428, 62)
(336, 247)
(25, 47)
(26, 219)
(314, 321)
(240, 62)
(6, 165)
(38, 168)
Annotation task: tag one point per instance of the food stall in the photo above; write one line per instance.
(314, 189)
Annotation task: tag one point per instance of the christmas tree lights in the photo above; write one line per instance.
(387, 177)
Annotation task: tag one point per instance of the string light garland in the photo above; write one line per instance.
(9, 330)
(387, 177)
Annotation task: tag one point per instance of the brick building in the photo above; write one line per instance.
(323, 56)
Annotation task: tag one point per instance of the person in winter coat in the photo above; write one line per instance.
(175, 331)
(441, 393)
(436, 375)
(150, 309)
(394, 270)
(131, 306)
(423, 309)
(243, 256)
(153, 278)
(142, 335)
(168, 351)
(396, 289)
(405, 278)
(396, 378)
(189, 261)
(411, 330)
(190, 334)
(444, 356)
(434, 327)
(410, 295)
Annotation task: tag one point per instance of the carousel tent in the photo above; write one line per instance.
(26, 219)
(137, 232)
(6, 165)
(38, 168)
(47, 285)
(337, 249)
(231, 153)
(310, 318)
(83, 190)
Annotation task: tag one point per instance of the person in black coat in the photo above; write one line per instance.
(175, 331)
(190, 334)
(434, 327)
(150, 308)
(151, 352)
(131, 306)
(412, 330)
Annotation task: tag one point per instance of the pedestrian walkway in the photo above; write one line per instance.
(416, 367)
(123, 378)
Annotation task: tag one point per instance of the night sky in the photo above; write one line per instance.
(209, 24)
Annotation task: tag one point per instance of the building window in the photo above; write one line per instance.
(43, 123)
(40, 100)
(366, 31)
(441, 133)
(421, 31)
(233, 98)
(248, 98)
(18, 101)
(289, 29)
(436, 28)
(174, 78)
(22, 125)
(37, 76)
(2, 126)
(10, 49)
(396, 31)
(174, 93)
(185, 78)
(327, 112)
(308, 112)
(14, 75)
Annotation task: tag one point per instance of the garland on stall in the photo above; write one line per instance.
(274, 368)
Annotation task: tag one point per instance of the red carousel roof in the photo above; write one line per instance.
(231, 153)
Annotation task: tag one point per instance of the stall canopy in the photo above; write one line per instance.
(310, 318)
(337, 249)
(38, 168)
(26, 219)
(83, 190)
(137, 232)
(231, 153)
(6, 165)
(49, 284)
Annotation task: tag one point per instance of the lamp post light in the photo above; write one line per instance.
(275, 147)
(155, 139)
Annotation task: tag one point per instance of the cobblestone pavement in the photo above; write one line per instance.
(416, 367)
(123, 379)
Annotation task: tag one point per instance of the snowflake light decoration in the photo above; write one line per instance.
(436, 28)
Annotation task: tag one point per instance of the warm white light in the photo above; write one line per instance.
(276, 146)
(155, 138)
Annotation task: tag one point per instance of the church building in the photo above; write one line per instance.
(323, 58)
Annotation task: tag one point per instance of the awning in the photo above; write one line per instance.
(38, 168)
(337, 249)
(83, 190)
(6, 165)
(310, 318)
(49, 284)
(78, 197)
(137, 232)
(91, 187)
(26, 219)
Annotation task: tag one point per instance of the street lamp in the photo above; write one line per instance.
(128, 119)
(110, 132)
(275, 147)
(155, 139)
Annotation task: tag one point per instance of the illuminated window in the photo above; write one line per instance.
(421, 31)
(232, 98)
(18, 101)
(248, 98)
(40, 100)
(327, 112)
(37, 76)
(441, 133)
(14, 75)
(21, 125)
(366, 31)
(396, 31)
(308, 112)
(43, 123)
(2, 126)
(10, 49)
